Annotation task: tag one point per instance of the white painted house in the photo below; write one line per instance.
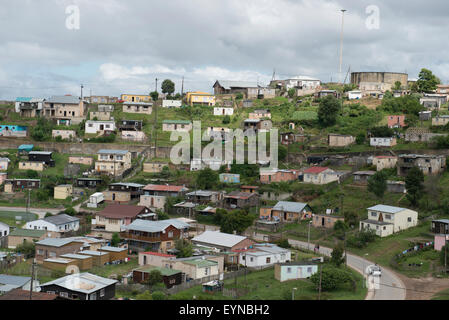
(171, 104)
(383, 142)
(59, 223)
(98, 126)
(386, 220)
(355, 95)
(4, 162)
(223, 111)
(264, 255)
(4, 229)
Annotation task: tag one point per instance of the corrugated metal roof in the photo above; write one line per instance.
(61, 219)
(219, 238)
(163, 271)
(226, 84)
(27, 233)
(13, 280)
(80, 281)
(107, 151)
(113, 249)
(289, 206)
(155, 226)
(201, 193)
(385, 208)
(64, 99)
(202, 263)
(56, 242)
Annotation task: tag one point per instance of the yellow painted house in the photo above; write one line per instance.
(135, 98)
(200, 98)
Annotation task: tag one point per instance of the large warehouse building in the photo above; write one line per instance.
(376, 83)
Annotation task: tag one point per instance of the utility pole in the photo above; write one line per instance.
(156, 85)
(445, 256)
(182, 89)
(341, 40)
(82, 91)
(28, 202)
(32, 278)
(308, 237)
(321, 276)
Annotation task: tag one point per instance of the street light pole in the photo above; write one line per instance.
(293, 293)
(341, 41)
(308, 237)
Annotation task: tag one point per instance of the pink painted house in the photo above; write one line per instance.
(277, 175)
(396, 122)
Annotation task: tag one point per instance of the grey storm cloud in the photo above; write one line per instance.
(124, 45)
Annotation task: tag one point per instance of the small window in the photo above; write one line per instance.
(289, 270)
(102, 292)
(409, 219)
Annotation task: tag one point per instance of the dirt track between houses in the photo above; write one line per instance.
(423, 288)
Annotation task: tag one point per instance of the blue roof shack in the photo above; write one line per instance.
(25, 148)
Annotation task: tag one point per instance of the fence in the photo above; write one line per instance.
(197, 282)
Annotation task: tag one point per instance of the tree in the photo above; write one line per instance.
(27, 249)
(154, 95)
(340, 228)
(332, 278)
(226, 119)
(239, 96)
(397, 85)
(154, 277)
(351, 219)
(237, 220)
(184, 247)
(115, 239)
(207, 179)
(144, 296)
(158, 295)
(282, 153)
(168, 87)
(70, 211)
(427, 81)
(414, 185)
(360, 138)
(31, 174)
(291, 93)
(328, 111)
(444, 255)
(337, 257)
(48, 214)
(382, 132)
(377, 184)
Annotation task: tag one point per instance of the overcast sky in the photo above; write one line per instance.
(123, 45)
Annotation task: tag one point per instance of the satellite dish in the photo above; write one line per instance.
(72, 269)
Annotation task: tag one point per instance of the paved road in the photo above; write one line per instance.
(39, 211)
(390, 288)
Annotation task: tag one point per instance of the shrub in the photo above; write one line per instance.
(158, 295)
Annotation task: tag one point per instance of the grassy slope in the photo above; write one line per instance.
(263, 286)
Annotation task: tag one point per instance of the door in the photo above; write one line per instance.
(101, 127)
(322, 222)
(298, 273)
(113, 197)
(144, 260)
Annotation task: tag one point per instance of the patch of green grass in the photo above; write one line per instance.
(9, 217)
(262, 285)
(118, 269)
(442, 295)
(383, 249)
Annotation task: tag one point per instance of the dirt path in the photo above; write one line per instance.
(423, 288)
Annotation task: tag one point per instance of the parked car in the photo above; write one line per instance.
(375, 270)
